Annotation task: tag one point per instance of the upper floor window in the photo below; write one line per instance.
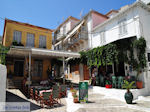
(30, 40)
(102, 37)
(42, 41)
(17, 36)
(122, 27)
(64, 29)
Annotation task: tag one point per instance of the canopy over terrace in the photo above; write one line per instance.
(37, 52)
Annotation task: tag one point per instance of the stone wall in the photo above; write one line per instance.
(3, 75)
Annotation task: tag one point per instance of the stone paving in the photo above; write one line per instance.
(97, 103)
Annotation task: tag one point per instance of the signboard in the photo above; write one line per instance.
(83, 91)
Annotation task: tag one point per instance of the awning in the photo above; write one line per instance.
(23, 51)
(73, 31)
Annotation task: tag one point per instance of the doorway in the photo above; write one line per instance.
(19, 68)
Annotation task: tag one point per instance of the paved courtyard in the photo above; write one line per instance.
(97, 103)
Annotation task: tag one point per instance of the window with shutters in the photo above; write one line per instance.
(17, 36)
(102, 38)
(42, 41)
(122, 27)
(30, 40)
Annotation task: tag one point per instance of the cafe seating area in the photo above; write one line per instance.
(46, 94)
(113, 81)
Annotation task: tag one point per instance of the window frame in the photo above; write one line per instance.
(42, 45)
(28, 44)
(102, 37)
(122, 23)
(14, 38)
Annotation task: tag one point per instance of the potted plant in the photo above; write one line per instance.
(128, 95)
(74, 92)
(75, 98)
(14, 43)
(108, 84)
(139, 83)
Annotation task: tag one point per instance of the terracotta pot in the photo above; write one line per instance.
(139, 84)
(75, 100)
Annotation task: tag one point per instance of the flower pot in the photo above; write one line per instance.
(139, 84)
(75, 100)
(128, 97)
(108, 86)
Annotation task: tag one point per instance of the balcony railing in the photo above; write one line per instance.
(82, 36)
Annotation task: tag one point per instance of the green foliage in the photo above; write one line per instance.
(14, 43)
(104, 55)
(108, 82)
(128, 85)
(83, 58)
(140, 45)
(3, 52)
(119, 51)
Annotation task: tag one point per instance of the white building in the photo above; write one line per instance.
(130, 21)
(77, 39)
(62, 30)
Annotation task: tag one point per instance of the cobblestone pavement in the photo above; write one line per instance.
(97, 103)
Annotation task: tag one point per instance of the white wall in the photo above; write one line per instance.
(145, 25)
(146, 1)
(111, 28)
(3, 75)
(138, 24)
(89, 27)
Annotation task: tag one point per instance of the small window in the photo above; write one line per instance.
(102, 37)
(148, 57)
(42, 41)
(122, 27)
(30, 40)
(64, 30)
(17, 36)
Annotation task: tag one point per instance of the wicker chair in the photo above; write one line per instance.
(31, 94)
(63, 91)
(45, 99)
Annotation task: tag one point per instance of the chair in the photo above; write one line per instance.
(101, 81)
(31, 94)
(120, 81)
(36, 96)
(63, 91)
(55, 96)
(114, 81)
(45, 99)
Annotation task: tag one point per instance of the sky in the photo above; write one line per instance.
(51, 13)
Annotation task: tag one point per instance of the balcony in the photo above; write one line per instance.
(60, 37)
(75, 41)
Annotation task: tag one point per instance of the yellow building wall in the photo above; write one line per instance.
(11, 27)
(8, 39)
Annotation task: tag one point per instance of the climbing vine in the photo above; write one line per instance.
(3, 52)
(120, 51)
